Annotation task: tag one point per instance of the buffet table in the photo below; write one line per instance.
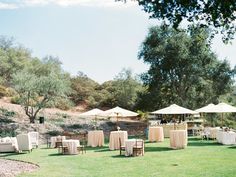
(227, 138)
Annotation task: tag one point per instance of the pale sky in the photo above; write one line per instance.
(97, 37)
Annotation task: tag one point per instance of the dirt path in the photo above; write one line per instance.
(11, 168)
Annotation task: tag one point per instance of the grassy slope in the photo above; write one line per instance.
(198, 159)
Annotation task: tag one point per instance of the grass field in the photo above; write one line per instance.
(200, 158)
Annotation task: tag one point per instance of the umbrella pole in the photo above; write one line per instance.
(174, 122)
(95, 120)
(117, 120)
(222, 116)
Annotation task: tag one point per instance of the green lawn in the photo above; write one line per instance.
(200, 158)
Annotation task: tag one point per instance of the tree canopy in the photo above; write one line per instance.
(218, 14)
(183, 69)
(38, 89)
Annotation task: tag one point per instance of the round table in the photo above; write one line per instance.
(178, 139)
(129, 144)
(72, 146)
(96, 138)
(114, 139)
(155, 134)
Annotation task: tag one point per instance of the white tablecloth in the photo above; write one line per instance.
(178, 139)
(155, 134)
(129, 144)
(114, 139)
(72, 146)
(226, 138)
(95, 138)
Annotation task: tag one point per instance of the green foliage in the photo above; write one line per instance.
(122, 91)
(143, 115)
(183, 69)
(13, 58)
(83, 88)
(37, 90)
(63, 103)
(3, 91)
(6, 113)
(16, 99)
(6, 132)
(216, 14)
(10, 92)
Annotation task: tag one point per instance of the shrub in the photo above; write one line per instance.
(10, 92)
(15, 100)
(3, 91)
(63, 104)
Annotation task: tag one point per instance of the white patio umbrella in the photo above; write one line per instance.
(174, 110)
(224, 108)
(93, 112)
(118, 112)
(219, 108)
(210, 108)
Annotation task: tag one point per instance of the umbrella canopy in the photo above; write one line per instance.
(93, 112)
(219, 108)
(174, 109)
(210, 108)
(224, 108)
(118, 112)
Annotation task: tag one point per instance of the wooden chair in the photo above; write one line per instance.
(83, 145)
(138, 147)
(122, 148)
(61, 149)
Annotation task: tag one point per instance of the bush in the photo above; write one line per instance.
(3, 91)
(15, 100)
(7, 133)
(6, 113)
(10, 92)
(63, 104)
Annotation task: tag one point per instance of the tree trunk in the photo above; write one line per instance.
(32, 119)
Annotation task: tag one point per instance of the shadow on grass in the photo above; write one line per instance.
(46, 148)
(57, 154)
(232, 147)
(157, 149)
(199, 142)
(120, 156)
(11, 154)
(102, 150)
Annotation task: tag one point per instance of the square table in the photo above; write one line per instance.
(129, 144)
(114, 139)
(178, 139)
(155, 134)
(96, 138)
(71, 145)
